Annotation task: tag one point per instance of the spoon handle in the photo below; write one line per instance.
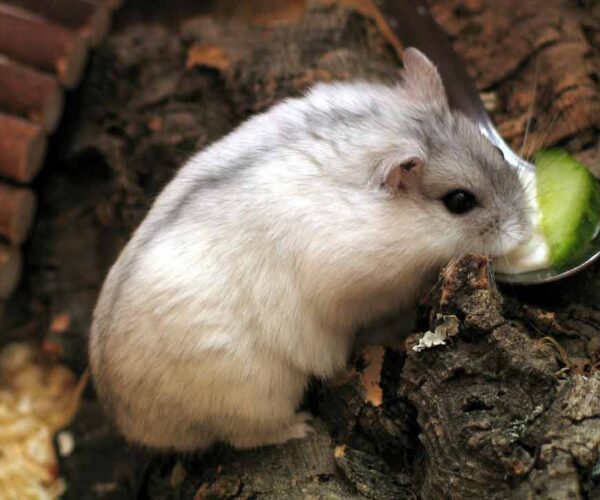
(414, 25)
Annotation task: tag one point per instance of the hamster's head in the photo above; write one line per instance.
(478, 200)
(460, 187)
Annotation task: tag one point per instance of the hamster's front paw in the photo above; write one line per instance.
(299, 428)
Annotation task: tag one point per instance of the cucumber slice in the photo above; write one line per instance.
(569, 201)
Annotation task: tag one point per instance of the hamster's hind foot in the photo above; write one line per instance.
(299, 428)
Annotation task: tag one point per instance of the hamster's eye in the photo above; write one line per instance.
(459, 201)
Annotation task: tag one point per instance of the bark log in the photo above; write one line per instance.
(507, 408)
(87, 17)
(30, 39)
(22, 148)
(30, 94)
(18, 209)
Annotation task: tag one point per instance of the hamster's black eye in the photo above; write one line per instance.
(459, 201)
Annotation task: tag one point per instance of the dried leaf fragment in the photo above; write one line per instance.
(208, 55)
(371, 376)
(60, 323)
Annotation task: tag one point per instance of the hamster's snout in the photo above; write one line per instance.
(515, 232)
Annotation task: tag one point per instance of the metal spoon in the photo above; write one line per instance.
(413, 24)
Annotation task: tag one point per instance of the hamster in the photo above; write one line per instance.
(269, 249)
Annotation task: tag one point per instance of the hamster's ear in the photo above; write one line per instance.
(422, 80)
(401, 175)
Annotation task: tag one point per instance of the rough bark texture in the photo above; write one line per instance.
(508, 408)
(540, 54)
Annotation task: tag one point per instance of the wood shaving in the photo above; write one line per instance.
(447, 328)
(36, 399)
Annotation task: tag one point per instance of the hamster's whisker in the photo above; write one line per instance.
(562, 115)
(533, 96)
(540, 144)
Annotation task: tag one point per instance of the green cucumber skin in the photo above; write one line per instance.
(566, 243)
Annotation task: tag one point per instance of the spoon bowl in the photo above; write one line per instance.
(413, 24)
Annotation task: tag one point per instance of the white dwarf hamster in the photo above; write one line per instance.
(269, 249)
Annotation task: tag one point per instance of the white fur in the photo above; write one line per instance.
(212, 320)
